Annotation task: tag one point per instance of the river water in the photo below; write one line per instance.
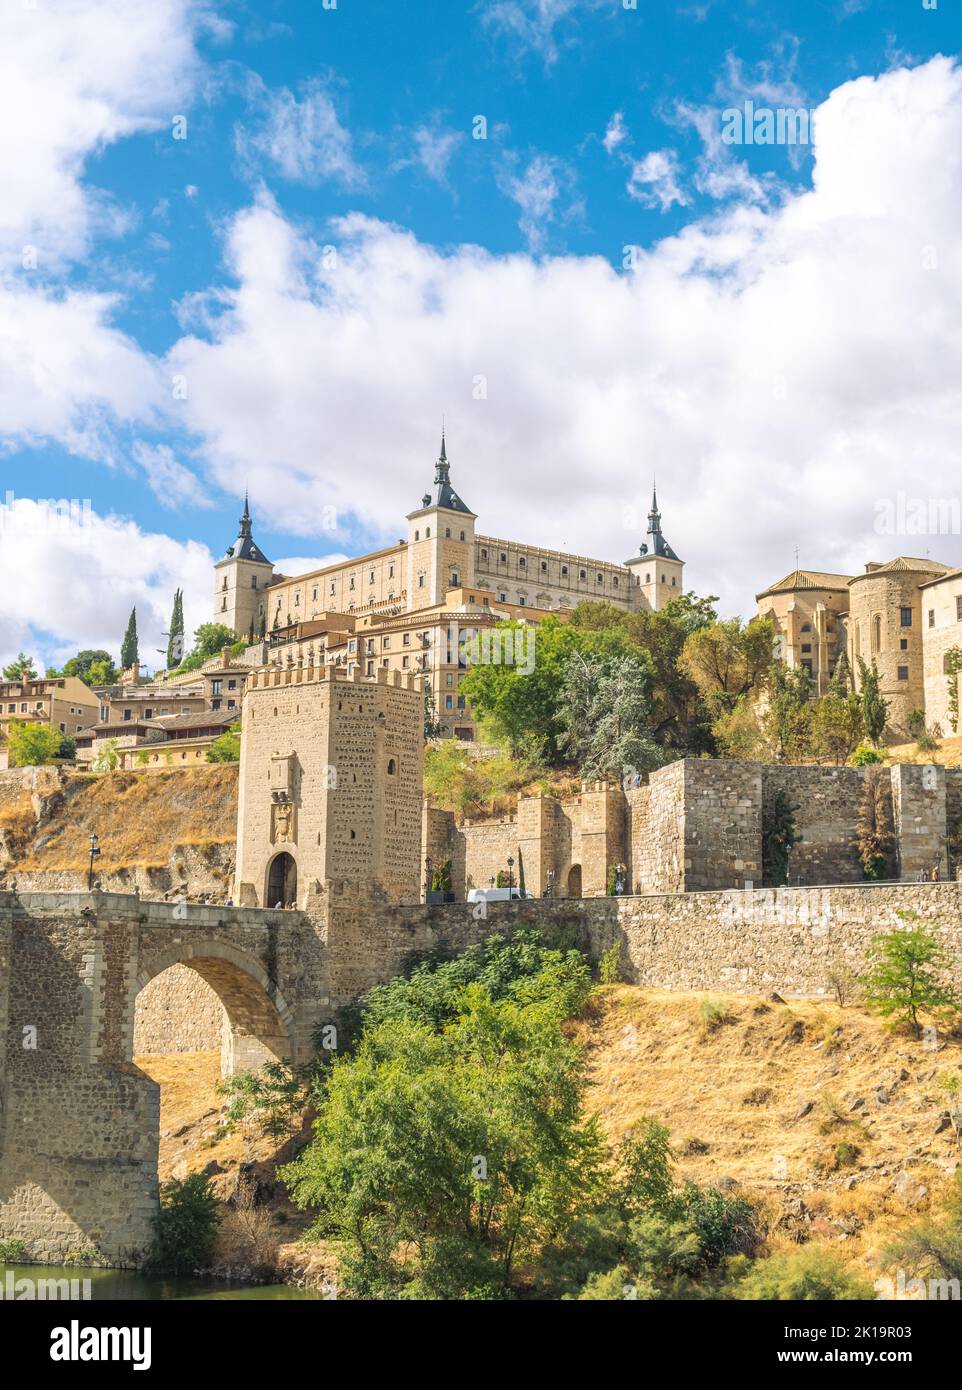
(106, 1284)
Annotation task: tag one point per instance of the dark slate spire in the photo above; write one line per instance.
(655, 543)
(442, 493)
(244, 547)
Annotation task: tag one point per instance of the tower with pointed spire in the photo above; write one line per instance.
(657, 572)
(440, 549)
(240, 578)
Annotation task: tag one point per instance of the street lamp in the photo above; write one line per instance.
(510, 867)
(94, 851)
(428, 861)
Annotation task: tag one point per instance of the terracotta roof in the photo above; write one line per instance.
(911, 564)
(807, 579)
(949, 574)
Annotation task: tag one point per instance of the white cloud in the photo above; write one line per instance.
(66, 374)
(780, 366)
(86, 573)
(75, 76)
(434, 147)
(616, 133)
(536, 191)
(301, 137)
(535, 24)
(654, 180)
(173, 484)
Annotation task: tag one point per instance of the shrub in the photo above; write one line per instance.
(905, 974)
(609, 966)
(811, 1274)
(712, 1014)
(226, 748)
(865, 755)
(13, 1252)
(724, 1224)
(185, 1226)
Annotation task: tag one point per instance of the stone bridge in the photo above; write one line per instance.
(79, 1122)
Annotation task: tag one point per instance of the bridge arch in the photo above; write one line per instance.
(259, 1020)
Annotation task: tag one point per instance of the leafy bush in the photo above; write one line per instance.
(185, 1227)
(13, 1252)
(34, 745)
(864, 755)
(712, 1015)
(226, 748)
(275, 1096)
(523, 967)
(609, 966)
(811, 1274)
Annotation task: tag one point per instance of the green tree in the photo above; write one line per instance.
(440, 1162)
(953, 664)
(874, 707)
(108, 758)
(433, 728)
(129, 651)
(521, 703)
(185, 1227)
(677, 714)
(906, 973)
(23, 669)
(209, 640)
(274, 1096)
(727, 660)
(738, 732)
(175, 636)
(93, 666)
(838, 724)
(225, 748)
(790, 717)
(34, 745)
(603, 710)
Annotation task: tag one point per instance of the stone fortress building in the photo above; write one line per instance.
(905, 615)
(407, 607)
(330, 785)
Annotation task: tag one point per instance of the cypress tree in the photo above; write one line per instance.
(128, 649)
(175, 637)
(874, 707)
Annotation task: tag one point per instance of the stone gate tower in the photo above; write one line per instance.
(330, 785)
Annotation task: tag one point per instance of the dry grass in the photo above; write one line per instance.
(732, 1095)
(948, 753)
(262, 1236)
(138, 819)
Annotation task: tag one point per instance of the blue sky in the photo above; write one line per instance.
(481, 279)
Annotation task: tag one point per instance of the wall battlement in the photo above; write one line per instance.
(698, 825)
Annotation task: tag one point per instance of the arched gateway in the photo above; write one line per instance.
(79, 1123)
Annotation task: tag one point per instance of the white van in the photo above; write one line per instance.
(495, 895)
